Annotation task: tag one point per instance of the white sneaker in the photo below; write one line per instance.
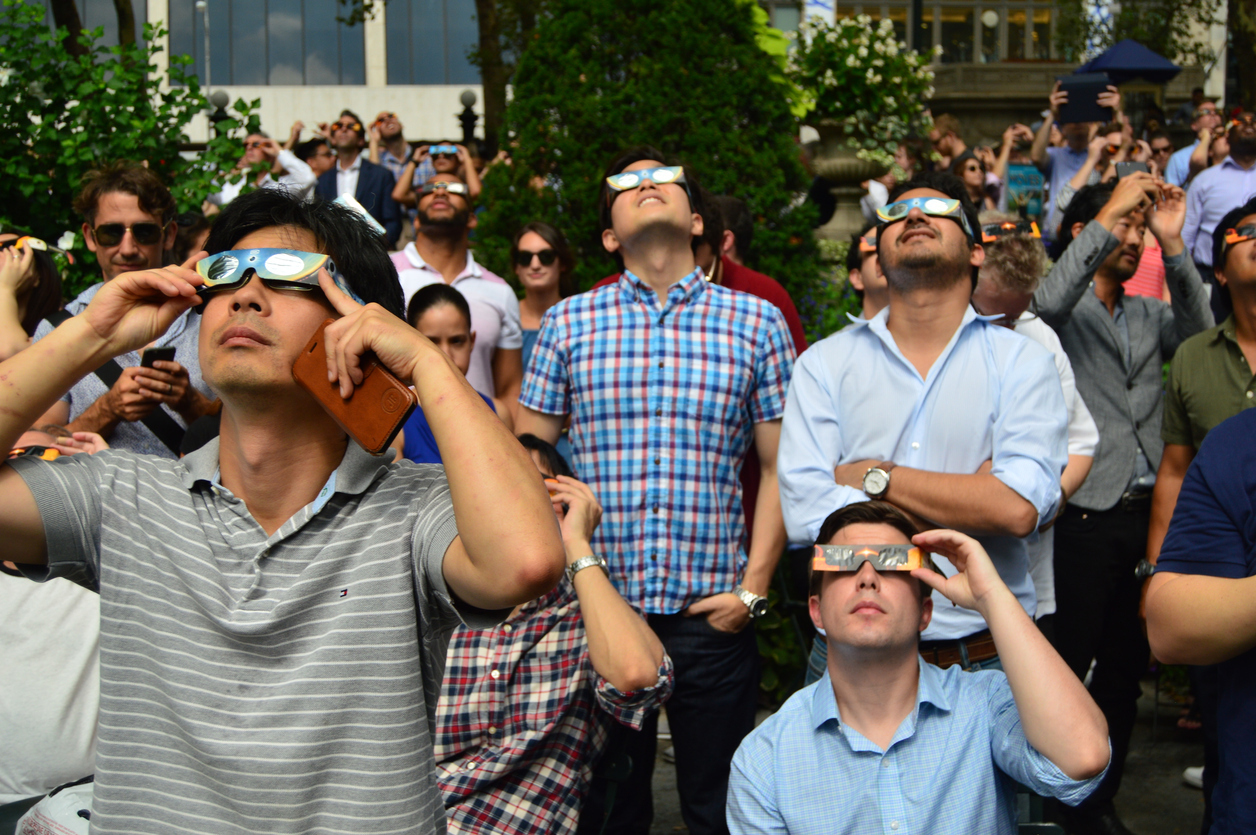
(1194, 777)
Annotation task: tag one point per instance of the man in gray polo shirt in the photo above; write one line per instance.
(274, 607)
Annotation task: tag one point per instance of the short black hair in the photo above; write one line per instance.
(434, 295)
(355, 247)
(854, 258)
(549, 454)
(1230, 221)
(872, 512)
(712, 224)
(309, 148)
(1083, 208)
(606, 196)
(738, 220)
(952, 187)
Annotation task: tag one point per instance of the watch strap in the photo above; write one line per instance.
(749, 598)
(585, 562)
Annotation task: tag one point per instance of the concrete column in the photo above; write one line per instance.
(376, 48)
(159, 14)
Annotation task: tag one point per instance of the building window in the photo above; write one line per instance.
(971, 32)
(785, 15)
(95, 13)
(260, 42)
(430, 42)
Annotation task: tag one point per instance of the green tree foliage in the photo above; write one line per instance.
(601, 76)
(65, 114)
(1176, 29)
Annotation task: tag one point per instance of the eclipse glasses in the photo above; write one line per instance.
(994, 231)
(882, 557)
(279, 269)
(933, 206)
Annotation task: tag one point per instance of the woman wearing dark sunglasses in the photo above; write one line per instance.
(543, 262)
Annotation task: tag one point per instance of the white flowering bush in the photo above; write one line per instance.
(857, 74)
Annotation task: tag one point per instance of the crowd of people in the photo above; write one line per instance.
(996, 502)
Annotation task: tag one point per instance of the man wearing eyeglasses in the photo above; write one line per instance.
(1161, 150)
(932, 408)
(1180, 168)
(1117, 344)
(440, 252)
(359, 178)
(1223, 187)
(293, 175)
(669, 379)
(128, 224)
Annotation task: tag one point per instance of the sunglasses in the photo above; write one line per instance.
(882, 557)
(868, 243)
(1237, 236)
(111, 234)
(384, 118)
(1164, 150)
(524, 258)
(353, 126)
(279, 269)
(443, 150)
(252, 145)
(994, 231)
(933, 206)
(451, 188)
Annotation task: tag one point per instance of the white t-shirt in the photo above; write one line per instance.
(50, 686)
(494, 310)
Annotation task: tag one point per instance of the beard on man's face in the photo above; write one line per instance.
(931, 268)
(455, 219)
(1243, 146)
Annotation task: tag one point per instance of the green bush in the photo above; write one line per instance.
(602, 76)
(64, 115)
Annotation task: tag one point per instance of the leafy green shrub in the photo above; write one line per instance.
(64, 115)
(602, 76)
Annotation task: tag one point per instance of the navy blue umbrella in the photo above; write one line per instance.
(1129, 60)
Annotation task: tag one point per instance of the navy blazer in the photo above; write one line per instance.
(374, 192)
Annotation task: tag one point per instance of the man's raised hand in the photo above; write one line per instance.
(135, 308)
(975, 580)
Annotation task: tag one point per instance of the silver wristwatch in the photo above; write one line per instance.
(876, 480)
(583, 563)
(757, 605)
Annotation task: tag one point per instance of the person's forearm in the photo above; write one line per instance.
(546, 427)
(1195, 619)
(1074, 474)
(1038, 151)
(505, 519)
(1000, 164)
(1174, 463)
(1079, 180)
(978, 503)
(98, 418)
(768, 539)
(622, 647)
(508, 376)
(31, 381)
(1199, 158)
(13, 337)
(1058, 715)
(196, 406)
(403, 193)
(1192, 312)
(1069, 279)
(473, 180)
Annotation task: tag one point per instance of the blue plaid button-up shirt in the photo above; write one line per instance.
(663, 396)
(951, 767)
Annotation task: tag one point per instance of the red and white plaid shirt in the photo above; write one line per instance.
(523, 717)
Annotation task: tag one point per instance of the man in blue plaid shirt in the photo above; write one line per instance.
(886, 741)
(668, 380)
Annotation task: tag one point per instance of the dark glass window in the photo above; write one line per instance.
(259, 42)
(95, 13)
(429, 42)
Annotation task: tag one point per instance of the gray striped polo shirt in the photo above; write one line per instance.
(282, 684)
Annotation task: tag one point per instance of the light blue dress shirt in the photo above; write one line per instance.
(1178, 168)
(951, 767)
(992, 394)
(1212, 194)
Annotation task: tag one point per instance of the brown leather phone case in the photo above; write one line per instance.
(377, 409)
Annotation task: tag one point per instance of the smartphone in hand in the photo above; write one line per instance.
(152, 355)
(378, 407)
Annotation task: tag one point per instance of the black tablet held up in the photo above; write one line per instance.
(1083, 98)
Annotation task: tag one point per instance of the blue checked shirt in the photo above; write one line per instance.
(952, 766)
(663, 398)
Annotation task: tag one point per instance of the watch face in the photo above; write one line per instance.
(759, 608)
(875, 482)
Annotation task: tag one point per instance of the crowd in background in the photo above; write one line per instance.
(999, 402)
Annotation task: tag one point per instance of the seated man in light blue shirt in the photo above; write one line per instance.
(886, 742)
(932, 408)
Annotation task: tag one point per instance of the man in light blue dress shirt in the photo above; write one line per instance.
(886, 742)
(947, 416)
